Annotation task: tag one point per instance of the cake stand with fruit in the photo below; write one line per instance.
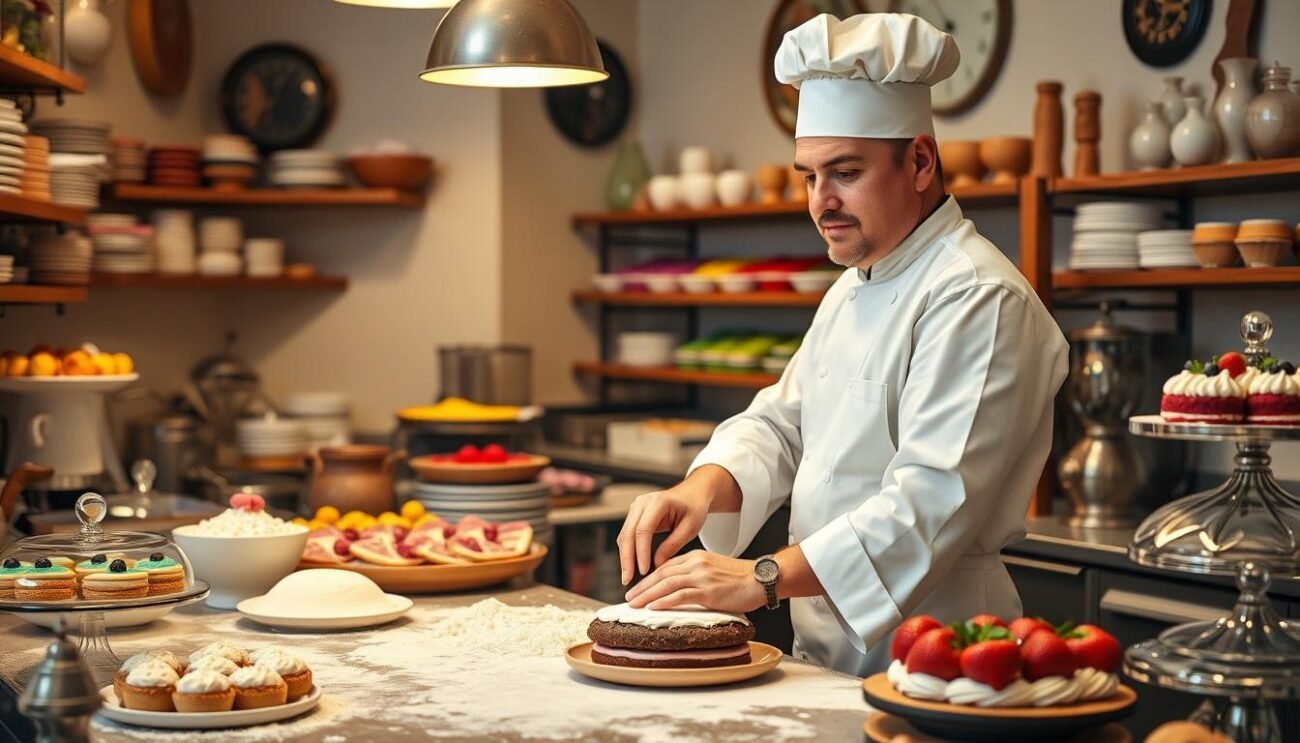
(95, 580)
(1248, 527)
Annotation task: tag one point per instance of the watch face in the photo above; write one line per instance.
(278, 96)
(766, 570)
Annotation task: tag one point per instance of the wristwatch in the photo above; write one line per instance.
(766, 571)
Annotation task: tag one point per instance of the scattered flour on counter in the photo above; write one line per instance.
(493, 628)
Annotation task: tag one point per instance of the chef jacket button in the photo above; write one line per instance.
(827, 477)
(893, 297)
(821, 373)
(853, 294)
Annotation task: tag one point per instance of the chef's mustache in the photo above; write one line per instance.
(830, 215)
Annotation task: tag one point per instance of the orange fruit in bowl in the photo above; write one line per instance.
(412, 510)
(44, 364)
(125, 364)
(79, 364)
(327, 515)
(18, 366)
(104, 364)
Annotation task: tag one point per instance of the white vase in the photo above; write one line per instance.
(1171, 100)
(1230, 107)
(1148, 145)
(86, 32)
(1195, 140)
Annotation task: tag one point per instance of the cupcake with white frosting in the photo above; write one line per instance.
(203, 691)
(149, 687)
(139, 659)
(258, 686)
(230, 652)
(290, 667)
(221, 665)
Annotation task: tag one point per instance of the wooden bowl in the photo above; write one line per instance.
(961, 163)
(1007, 157)
(432, 469)
(407, 172)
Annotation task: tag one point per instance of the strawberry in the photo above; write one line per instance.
(935, 653)
(1094, 647)
(1026, 626)
(468, 454)
(1044, 654)
(908, 632)
(982, 619)
(995, 662)
(1233, 362)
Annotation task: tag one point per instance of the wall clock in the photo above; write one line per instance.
(593, 115)
(1162, 33)
(783, 100)
(982, 29)
(278, 96)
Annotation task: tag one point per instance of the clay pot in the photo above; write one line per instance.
(1217, 254)
(961, 163)
(1210, 232)
(771, 183)
(355, 477)
(798, 186)
(1273, 117)
(1007, 157)
(1263, 253)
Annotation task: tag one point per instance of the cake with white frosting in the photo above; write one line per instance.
(687, 637)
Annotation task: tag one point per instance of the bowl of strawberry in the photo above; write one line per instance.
(471, 465)
(989, 680)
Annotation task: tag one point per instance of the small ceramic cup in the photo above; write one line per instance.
(695, 160)
(1263, 253)
(734, 187)
(697, 190)
(662, 190)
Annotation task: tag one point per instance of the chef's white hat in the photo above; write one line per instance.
(866, 76)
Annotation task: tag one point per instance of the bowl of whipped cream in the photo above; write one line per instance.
(242, 551)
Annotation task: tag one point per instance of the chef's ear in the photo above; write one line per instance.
(924, 154)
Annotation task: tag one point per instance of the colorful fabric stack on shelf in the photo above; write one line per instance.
(737, 352)
(730, 275)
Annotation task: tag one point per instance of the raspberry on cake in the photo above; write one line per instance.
(1203, 394)
(679, 638)
(1273, 397)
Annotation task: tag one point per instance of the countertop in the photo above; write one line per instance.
(407, 681)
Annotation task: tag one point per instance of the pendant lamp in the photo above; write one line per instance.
(513, 44)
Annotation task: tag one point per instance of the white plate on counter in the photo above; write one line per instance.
(256, 610)
(239, 718)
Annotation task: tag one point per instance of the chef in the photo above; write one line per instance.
(911, 427)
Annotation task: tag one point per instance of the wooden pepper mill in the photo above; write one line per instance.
(1087, 133)
(1049, 130)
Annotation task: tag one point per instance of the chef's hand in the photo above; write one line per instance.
(702, 578)
(680, 510)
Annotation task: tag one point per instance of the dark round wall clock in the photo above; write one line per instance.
(1163, 33)
(279, 96)
(593, 115)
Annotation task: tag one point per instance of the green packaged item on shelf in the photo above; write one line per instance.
(714, 356)
(687, 355)
(747, 355)
(785, 349)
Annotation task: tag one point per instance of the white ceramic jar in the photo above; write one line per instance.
(1230, 107)
(696, 190)
(1195, 141)
(734, 187)
(662, 190)
(695, 160)
(1148, 145)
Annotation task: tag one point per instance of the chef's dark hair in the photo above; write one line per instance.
(898, 148)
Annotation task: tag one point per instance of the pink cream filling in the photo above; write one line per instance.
(715, 654)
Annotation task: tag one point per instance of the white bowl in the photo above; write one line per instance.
(660, 283)
(662, 190)
(695, 159)
(697, 190)
(694, 284)
(734, 187)
(608, 282)
(736, 283)
(236, 568)
(811, 282)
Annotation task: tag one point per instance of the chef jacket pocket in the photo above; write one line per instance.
(862, 430)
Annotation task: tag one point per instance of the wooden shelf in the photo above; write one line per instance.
(1178, 278)
(269, 196)
(1203, 180)
(983, 194)
(670, 375)
(165, 281)
(34, 294)
(682, 299)
(19, 71)
(13, 207)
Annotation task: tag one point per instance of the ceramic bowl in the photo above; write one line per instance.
(811, 282)
(1263, 253)
(662, 190)
(1264, 229)
(407, 172)
(1007, 157)
(736, 283)
(696, 190)
(660, 283)
(694, 284)
(695, 160)
(1222, 254)
(236, 568)
(608, 282)
(771, 183)
(734, 187)
(1214, 232)
(961, 163)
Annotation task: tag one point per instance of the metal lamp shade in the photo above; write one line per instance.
(513, 44)
(410, 4)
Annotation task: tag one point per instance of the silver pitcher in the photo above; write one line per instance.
(1102, 474)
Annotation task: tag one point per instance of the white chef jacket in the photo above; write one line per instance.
(908, 432)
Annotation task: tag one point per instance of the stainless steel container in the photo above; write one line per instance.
(490, 375)
(177, 444)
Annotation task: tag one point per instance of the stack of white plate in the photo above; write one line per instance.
(526, 502)
(174, 241)
(12, 147)
(121, 244)
(75, 178)
(263, 256)
(128, 160)
(646, 349)
(61, 259)
(323, 414)
(306, 169)
(1105, 234)
(219, 241)
(1166, 249)
(82, 136)
(270, 437)
(6, 269)
(36, 166)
